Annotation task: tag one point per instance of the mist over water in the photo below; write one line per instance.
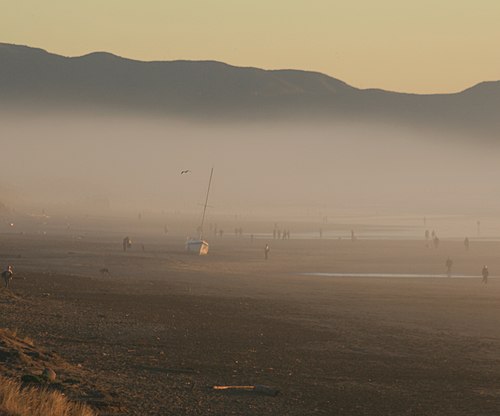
(122, 163)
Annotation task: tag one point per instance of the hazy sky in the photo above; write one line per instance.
(414, 46)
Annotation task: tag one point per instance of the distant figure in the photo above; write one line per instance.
(478, 223)
(433, 234)
(143, 248)
(7, 276)
(321, 233)
(435, 241)
(127, 243)
(221, 233)
(466, 243)
(485, 272)
(449, 264)
(427, 235)
(251, 238)
(353, 237)
(266, 251)
(165, 229)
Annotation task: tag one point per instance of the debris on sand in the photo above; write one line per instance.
(49, 374)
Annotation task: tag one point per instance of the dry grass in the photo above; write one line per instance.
(30, 401)
(11, 332)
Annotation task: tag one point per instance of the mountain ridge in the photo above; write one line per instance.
(106, 54)
(32, 76)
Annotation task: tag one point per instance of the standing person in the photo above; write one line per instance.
(466, 243)
(7, 276)
(427, 235)
(436, 241)
(485, 272)
(127, 243)
(449, 264)
(266, 251)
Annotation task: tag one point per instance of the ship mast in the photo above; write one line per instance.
(206, 204)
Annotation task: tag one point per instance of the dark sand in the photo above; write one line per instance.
(165, 326)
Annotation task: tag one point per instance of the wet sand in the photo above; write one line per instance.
(165, 326)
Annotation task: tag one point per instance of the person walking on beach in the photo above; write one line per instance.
(466, 243)
(266, 251)
(485, 272)
(449, 264)
(7, 276)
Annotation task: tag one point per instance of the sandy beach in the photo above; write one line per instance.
(164, 327)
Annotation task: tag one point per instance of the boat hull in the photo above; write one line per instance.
(197, 247)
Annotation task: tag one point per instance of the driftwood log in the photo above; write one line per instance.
(257, 388)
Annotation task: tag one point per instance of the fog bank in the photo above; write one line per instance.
(119, 164)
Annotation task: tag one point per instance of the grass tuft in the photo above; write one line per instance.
(30, 401)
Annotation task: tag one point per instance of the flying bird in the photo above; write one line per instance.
(185, 171)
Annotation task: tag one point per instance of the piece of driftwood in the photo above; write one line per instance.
(257, 388)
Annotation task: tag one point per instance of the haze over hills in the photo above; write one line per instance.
(31, 77)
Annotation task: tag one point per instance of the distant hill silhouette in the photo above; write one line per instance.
(34, 77)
